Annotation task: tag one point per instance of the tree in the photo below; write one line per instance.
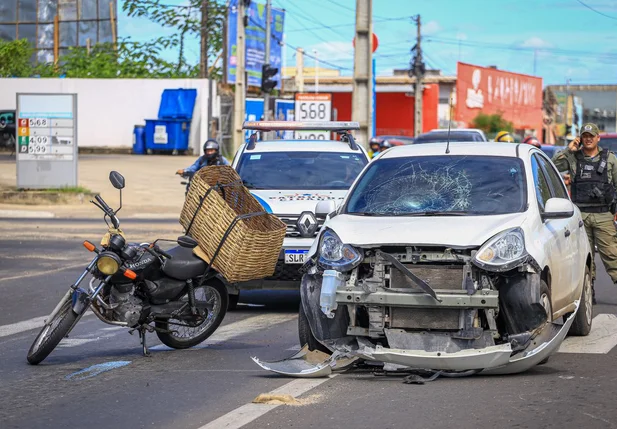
(15, 58)
(186, 21)
(491, 123)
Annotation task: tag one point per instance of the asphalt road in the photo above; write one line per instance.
(212, 384)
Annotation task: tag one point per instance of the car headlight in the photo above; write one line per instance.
(108, 263)
(503, 252)
(334, 255)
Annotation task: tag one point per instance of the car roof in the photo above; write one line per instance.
(302, 146)
(515, 150)
(474, 130)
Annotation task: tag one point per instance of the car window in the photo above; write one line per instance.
(609, 143)
(455, 136)
(559, 190)
(474, 185)
(543, 192)
(300, 170)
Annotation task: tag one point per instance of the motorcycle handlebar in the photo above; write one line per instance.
(108, 211)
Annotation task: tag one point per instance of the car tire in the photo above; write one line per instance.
(581, 326)
(306, 335)
(547, 303)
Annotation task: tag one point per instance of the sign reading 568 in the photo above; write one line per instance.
(313, 107)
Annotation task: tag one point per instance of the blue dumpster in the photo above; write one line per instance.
(139, 140)
(167, 135)
(177, 103)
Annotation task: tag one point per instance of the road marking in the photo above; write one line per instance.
(601, 339)
(41, 273)
(247, 413)
(94, 370)
(74, 342)
(235, 329)
(27, 325)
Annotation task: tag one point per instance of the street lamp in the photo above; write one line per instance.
(316, 71)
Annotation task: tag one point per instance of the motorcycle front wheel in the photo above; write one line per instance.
(52, 333)
(211, 296)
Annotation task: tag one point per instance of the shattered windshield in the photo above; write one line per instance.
(443, 184)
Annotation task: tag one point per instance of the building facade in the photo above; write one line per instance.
(54, 26)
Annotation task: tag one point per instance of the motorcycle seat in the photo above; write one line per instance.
(184, 264)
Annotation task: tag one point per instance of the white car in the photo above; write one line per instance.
(289, 178)
(462, 257)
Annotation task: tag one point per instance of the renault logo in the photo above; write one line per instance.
(307, 224)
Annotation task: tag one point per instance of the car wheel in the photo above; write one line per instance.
(545, 300)
(306, 335)
(581, 326)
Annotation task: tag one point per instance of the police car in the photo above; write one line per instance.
(290, 178)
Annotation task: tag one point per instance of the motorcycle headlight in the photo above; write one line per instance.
(503, 252)
(334, 255)
(108, 263)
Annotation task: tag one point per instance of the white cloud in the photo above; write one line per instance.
(535, 42)
(330, 51)
(431, 27)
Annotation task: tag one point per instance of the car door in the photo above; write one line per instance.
(553, 237)
(575, 227)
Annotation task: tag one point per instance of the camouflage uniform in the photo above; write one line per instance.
(600, 227)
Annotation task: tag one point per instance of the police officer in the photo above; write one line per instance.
(592, 173)
(210, 157)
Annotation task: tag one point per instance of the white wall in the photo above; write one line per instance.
(108, 109)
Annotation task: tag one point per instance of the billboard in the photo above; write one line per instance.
(255, 42)
(518, 97)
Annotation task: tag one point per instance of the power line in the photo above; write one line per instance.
(347, 25)
(596, 11)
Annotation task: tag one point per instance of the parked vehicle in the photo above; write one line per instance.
(478, 255)
(396, 140)
(609, 141)
(455, 135)
(289, 178)
(141, 287)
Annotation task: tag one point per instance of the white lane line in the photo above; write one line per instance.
(42, 273)
(27, 325)
(601, 339)
(74, 342)
(247, 413)
(236, 329)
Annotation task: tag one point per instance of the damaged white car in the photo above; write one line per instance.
(460, 258)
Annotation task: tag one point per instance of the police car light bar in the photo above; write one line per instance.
(300, 126)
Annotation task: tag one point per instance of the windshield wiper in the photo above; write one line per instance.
(435, 213)
(367, 214)
(251, 185)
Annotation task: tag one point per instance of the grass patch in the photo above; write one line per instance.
(68, 190)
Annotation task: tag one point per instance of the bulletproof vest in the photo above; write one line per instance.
(591, 186)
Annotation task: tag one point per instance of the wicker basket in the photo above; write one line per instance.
(251, 248)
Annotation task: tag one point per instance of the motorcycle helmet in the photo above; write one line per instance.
(211, 144)
(504, 136)
(374, 144)
(532, 140)
(386, 145)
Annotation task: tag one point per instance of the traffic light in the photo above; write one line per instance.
(267, 81)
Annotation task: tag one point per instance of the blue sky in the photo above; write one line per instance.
(567, 38)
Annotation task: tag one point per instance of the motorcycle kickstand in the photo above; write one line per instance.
(142, 339)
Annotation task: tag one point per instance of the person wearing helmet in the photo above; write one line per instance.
(375, 146)
(385, 145)
(210, 157)
(532, 140)
(504, 137)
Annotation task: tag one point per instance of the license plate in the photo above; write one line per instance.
(295, 256)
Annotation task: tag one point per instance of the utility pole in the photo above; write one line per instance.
(300, 70)
(240, 94)
(267, 56)
(203, 32)
(417, 70)
(363, 71)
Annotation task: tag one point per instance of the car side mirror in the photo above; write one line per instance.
(324, 208)
(188, 242)
(116, 179)
(558, 208)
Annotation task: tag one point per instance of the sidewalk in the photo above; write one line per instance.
(152, 189)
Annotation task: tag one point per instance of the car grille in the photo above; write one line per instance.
(292, 229)
(286, 272)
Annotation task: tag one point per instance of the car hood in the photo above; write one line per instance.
(451, 231)
(295, 202)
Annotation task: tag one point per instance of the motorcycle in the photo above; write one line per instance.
(187, 177)
(141, 287)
